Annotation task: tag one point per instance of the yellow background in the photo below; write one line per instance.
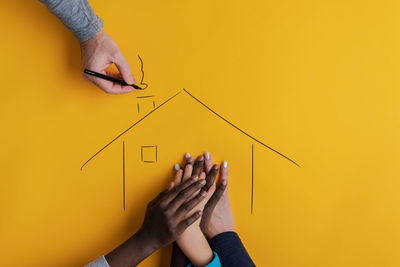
(317, 80)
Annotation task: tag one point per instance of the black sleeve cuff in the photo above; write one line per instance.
(230, 250)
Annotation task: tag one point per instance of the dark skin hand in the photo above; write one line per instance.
(165, 220)
(211, 172)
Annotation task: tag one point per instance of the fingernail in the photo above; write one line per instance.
(224, 183)
(177, 167)
(225, 164)
(187, 155)
(195, 177)
(201, 158)
(207, 155)
(215, 167)
(202, 182)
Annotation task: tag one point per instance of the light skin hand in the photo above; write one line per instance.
(193, 242)
(194, 168)
(100, 52)
(217, 214)
(167, 217)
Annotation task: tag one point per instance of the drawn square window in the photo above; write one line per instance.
(148, 154)
(145, 104)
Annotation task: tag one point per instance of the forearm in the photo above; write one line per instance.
(178, 258)
(131, 252)
(195, 246)
(77, 15)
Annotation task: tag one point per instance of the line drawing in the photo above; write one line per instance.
(252, 177)
(154, 158)
(204, 105)
(146, 99)
(141, 69)
(145, 96)
(123, 174)
(130, 127)
(240, 130)
(141, 154)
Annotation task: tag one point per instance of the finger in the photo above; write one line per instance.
(185, 195)
(187, 222)
(124, 69)
(223, 182)
(114, 75)
(212, 202)
(178, 177)
(187, 173)
(216, 196)
(209, 194)
(202, 176)
(108, 86)
(171, 194)
(211, 176)
(224, 172)
(171, 185)
(188, 159)
(198, 165)
(118, 88)
(177, 167)
(207, 162)
(189, 205)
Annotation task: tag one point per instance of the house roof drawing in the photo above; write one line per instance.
(195, 99)
(158, 108)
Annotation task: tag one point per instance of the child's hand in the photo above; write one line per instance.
(196, 170)
(192, 241)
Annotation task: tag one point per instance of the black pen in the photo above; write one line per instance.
(109, 78)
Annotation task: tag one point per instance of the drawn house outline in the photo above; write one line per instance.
(169, 100)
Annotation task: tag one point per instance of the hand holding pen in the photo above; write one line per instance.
(98, 53)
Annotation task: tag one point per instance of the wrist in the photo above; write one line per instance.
(132, 252)
(94, 39)
(195, 246)
(147, 243)
(210, 231)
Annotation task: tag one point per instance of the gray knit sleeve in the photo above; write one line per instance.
(77, 15)
(100, 262)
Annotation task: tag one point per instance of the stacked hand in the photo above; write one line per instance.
(217, 213)
(178, 207)
(192, 242)
(172, 211)
(167, 217)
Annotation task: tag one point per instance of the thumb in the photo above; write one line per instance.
(124, 69)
